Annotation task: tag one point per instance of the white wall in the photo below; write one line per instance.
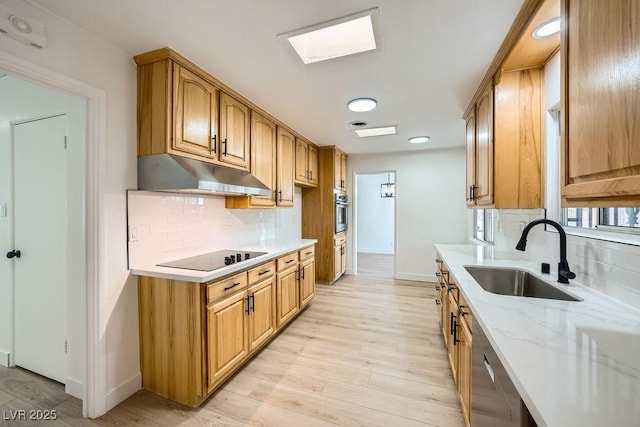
(374, 215)
(81, 56)
(171, 226)
(20, 100)
(430, 205)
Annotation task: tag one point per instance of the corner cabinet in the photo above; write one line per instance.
(194, 336)
(600, 103)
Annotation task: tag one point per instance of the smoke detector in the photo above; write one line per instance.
(21, 28)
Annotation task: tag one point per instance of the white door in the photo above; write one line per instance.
(40, 203)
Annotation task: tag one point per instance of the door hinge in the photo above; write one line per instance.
(66, 347)
(65, 142)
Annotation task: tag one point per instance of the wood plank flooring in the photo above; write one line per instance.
(367, 352)
(378, 265)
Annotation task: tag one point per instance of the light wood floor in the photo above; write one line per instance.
(378, 265)
(367, 352)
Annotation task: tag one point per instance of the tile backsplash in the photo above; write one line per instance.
(168, 226)
(609, 267)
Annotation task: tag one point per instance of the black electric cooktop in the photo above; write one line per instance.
(212, 261)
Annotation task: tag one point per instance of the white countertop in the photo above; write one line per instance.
(573, 363)
(274, 249)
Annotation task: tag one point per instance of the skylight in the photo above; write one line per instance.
(386, 130)
(339, 37)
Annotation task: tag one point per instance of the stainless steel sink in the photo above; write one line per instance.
(516, 282)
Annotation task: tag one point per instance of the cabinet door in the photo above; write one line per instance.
(471, 156)
(343, 259)
(302, 171)
(453, 330)
(312, 159)
(287, 296)
(227, 324)
(464, 369)
(263, 156)
(337, 169)
(601, 103)
(285, 167)
(337, 261)
(307, 281)
(483, 191)
(195, 107)
(343, 171)
(262, 317)
(234, 147)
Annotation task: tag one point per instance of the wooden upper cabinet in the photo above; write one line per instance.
(263, 156)
(285, 167)
(601, 103)
(483, 187)
(340, 171)
(234, 147)
(306, 173)
(470, 150)
(195, 106)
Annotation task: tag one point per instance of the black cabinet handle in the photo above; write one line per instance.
(290, 261)
(309, 253)
(455, 333)
(437, 288)
(461, 310)
(253, 303)
(224, 143)
(232, 286)
(214, 143)
(437, 301)
(452, 322)
(280, 194)
(310, 174)
(13, 253)
(264, 272)
(248, 306)
(302, 269)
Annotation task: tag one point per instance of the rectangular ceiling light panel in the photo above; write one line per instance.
(344, 36)
(387, 130)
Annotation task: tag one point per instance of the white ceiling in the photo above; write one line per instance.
(435, 52)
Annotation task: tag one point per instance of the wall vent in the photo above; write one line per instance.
(21, 28)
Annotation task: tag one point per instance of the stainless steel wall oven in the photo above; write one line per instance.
(342, 204)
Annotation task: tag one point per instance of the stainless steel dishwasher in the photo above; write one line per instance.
(495, 402)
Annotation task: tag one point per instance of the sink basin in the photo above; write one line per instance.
(516, 282)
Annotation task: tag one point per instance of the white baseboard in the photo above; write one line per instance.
(74, 387)
(375, 251)
(123, 391)
(349, 271)
(5, 359)
(416, 277)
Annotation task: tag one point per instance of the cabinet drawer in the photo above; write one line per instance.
(287, 261)
(307, 253)
(262, 271)
(340, 239)
(225, 287)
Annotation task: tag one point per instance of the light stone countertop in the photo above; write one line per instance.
(573, 363)
(274, 249)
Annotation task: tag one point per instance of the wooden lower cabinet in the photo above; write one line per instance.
(455, 318)
(228, 345)
(194, 336)
(262, 304)
(307, 281)
(287, 295)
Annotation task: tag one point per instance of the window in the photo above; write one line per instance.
(611, 219)
(483, 224)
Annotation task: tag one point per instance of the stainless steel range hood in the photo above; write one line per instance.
(166, 172)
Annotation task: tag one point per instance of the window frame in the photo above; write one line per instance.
(488, 216)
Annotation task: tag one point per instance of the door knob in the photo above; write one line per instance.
(13, 253)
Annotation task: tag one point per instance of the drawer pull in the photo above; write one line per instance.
(437, 301)
(264, 272)
(290, 261)
(232, 286)
(461, 309)
(309, 253)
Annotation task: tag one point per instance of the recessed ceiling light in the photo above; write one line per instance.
(362, 104)
(547, 29)
(386, 130)
(338, 37)
(419, 139)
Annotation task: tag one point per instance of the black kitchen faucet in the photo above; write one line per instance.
(564, 274)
